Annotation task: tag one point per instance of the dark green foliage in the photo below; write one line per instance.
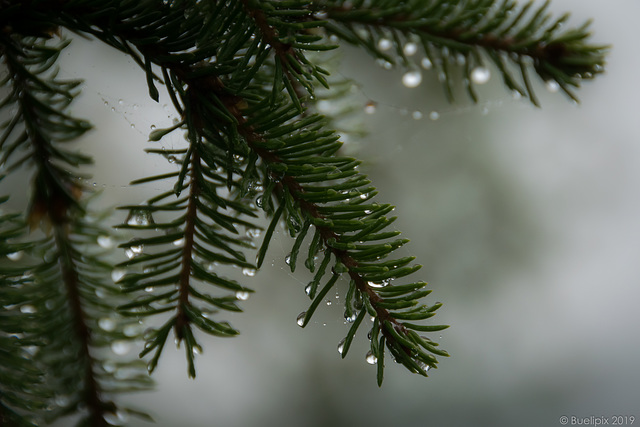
(514, 38)
(244, 76)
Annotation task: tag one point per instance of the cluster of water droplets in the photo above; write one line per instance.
(253, 233)
(134, 249)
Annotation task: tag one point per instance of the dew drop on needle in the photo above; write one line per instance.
(242, 295)
(412, 79)
(300, 318)
(385, 44)
(370, 107)
(480, 75)
(410, 49)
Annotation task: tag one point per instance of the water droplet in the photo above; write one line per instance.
(15, 256)
(480, 75)
(179, 242)
(120, 347)
(253, 233)
(134, 250)
(117, 274)
(321, 14)
(552, 86)
(242, 295)
(350, 319)
(426, 63)
(27, 309)
(152, 127)
(412, 79)
(307, 289)
(370, 107)
(139, 217)
(120, 101)
(417, 115)
(115, 419)
(434, 115)
(133, 126)
(113, 109)
(149, 289)
(287, 259)
(341, 346)
(324, 106)
(385, 44)
(371, 358)
(250, 272)
(132, 329)
(410, 49)
(62, 400)
(516, 94)
(376, 285)
(300, 318)
(363, 196)
(106, 103)
(105, 241)
(328, 302)
(107, 324)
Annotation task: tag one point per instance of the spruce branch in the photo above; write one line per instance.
(460, 31)
(67, 360)
(243, 78)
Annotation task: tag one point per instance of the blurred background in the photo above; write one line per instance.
(526, 220)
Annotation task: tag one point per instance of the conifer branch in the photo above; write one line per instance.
(56, 196)
(92, 393)
(65, 317)
(459, 31)
(185, 269)
(240, 77)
